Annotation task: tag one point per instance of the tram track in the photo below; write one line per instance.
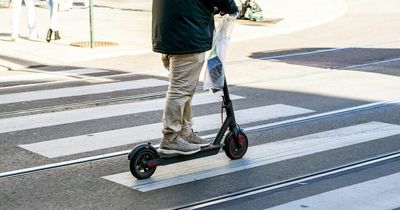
(291, 182)
(253, 129)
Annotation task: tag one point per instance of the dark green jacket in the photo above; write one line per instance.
(185, 26)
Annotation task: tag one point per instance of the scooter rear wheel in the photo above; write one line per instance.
(232, 150)
(138, 164)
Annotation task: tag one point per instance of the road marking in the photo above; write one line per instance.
(381, 193)
(367, 64)
(49, 75)
(107, 139)
(275, 57)
(80, 91)
(259, 155)
(71, 116)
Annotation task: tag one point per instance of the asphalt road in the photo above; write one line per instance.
(277, 81)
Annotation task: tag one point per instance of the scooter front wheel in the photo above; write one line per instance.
(138, 165)
(236, 150)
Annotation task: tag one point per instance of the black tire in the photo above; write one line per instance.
(230, 148)
(137, 164)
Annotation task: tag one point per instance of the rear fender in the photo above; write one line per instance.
(137, 148)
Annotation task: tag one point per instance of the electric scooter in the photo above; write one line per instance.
(144, 158)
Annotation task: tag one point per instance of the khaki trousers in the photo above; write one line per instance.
(184, 72)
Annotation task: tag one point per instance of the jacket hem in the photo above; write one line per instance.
(169, 52)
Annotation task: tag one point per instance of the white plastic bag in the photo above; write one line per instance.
(214, 76)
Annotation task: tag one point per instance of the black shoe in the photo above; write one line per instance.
(56, 35)
(48, 37)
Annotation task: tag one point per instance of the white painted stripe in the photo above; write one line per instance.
(49, 75)
(381, 193)
(107, 139)
(259, 155)
(303, 53)
(369, 64)
(80, 91)
(71, 116)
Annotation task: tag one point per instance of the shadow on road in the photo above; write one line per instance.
(377, 60)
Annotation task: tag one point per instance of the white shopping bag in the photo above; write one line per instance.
(214, 76)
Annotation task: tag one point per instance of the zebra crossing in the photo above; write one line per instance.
(185, 172)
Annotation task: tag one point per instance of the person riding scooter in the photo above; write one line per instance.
(182, 31)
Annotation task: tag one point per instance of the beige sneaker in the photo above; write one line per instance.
(179, 146)
(193, 138)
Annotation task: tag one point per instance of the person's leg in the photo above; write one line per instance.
(54, 21)
(187, 118)
(16, 13)
(187, 110)
(54, 6)
(183, 78)
(30, 5)
(187, 132)
(184, 75)
(50, 31)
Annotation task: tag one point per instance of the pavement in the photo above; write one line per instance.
(128, 24)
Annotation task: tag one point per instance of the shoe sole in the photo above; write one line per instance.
(203, 145)
(176, 152)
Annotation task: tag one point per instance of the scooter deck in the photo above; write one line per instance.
(204, 152)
